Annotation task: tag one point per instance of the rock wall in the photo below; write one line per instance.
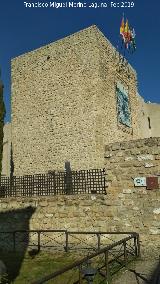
(138, 208)
(64, 104)
(126, 160)
(124, 208)
(153, 118)
(6, 150)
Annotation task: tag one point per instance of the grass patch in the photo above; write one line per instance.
(23, 269)
(28, 269)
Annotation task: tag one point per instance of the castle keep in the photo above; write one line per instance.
(76, 100)
(69, 99)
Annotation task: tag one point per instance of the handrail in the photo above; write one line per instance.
(65, 241)
(85, 259)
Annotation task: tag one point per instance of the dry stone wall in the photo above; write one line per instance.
(64, 104)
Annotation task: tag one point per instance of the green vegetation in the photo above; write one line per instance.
(2, 115)
(30, 269)
(23, 269)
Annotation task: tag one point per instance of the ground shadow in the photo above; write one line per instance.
(155, 277)
(13, 245)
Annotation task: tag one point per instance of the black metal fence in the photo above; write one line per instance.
(73, 182)
(109, 251)
(62, 240)
(105, 262)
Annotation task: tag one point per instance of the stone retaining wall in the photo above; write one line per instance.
(126, 160)
(124, 208)
(112, 212)
(138, 208)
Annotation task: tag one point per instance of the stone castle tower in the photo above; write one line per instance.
(70, 98)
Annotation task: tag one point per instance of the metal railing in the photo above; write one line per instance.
(109, 251)
(103, 263)
(63, 240)
(74, 182)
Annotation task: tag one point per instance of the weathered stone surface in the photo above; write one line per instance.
(156, 211)
(154, 231)
(149, 165)
(127, 191)
(145, 157)
(122, 209)
(68, 112)
(138, 207)
(131, 158)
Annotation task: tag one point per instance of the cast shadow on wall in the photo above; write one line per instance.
(13, 246)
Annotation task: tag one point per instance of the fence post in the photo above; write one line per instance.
(39, 241)
(135, 246)
(106, 254)
(138, 245)
(125, 253)
(66, 247)
(99, 241)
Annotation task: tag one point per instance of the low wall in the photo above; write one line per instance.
(127, 160)
(138, 208)
(124, 208)
(112, 212)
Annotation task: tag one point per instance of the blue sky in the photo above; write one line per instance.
(24, 29)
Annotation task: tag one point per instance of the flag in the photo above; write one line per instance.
(126, 27)
(127, 35)
(122, 27)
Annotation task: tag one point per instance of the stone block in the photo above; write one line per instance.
(156, 211)
(131, 158)
(149, 165)
(145, 157)
(127, 191)
(154, 231)
(108, 155)
(116, 146)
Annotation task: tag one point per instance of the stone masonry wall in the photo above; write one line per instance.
(139, 208)
(84, 213)
(124, 208)
(64, 104)
(6, 150)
